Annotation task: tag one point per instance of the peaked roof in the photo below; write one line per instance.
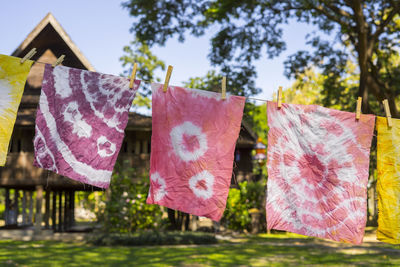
(39, 38)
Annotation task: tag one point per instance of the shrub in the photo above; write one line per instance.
(125, 205)
(152, 238)
(249, 195)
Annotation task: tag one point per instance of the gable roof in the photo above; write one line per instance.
(39, 38)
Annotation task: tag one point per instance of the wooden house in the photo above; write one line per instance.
(54, 203)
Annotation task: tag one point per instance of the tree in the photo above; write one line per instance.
(365, 30)
(138, 52)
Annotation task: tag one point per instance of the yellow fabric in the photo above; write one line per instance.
(13, 76)
(388, 186)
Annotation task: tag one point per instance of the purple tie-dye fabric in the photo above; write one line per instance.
(80, 123)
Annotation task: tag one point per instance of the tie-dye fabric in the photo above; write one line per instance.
(80, 123)
(388, 185)
(318, 161)
(192, 149)
(12, 82)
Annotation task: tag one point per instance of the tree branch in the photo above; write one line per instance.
(325, 12)
(338, 11)
(384, 23)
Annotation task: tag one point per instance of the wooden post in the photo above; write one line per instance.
(145, 149)
(16, 206)
(30, 217)
(66, 210)
(54, 211)
(71, 208)
(24, 215)
(7, 211)
(47, 210)
(60, 211)
(137, 147)
(39, 215)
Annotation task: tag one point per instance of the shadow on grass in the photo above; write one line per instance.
(50, 253)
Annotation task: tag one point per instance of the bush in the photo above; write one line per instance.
(125, 206)
(152, 239)
(249, 195)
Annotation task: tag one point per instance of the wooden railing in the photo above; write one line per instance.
(20, 172)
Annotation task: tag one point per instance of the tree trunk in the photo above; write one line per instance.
(380, 93)
(171, 217)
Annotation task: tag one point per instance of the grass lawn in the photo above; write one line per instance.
(261, 250)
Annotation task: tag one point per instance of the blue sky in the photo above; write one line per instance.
(100, 28)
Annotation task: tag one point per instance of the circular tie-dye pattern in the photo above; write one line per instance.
(193, 140)
(158, 187)
(182, 147)
(202, 184)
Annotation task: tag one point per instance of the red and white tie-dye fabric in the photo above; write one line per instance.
(192, 149)
(318, 161)
(80, 123)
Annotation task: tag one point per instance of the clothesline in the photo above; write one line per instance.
(149, 82)
(316, 156)
(145, 81)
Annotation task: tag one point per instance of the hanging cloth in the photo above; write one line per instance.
(192, 149)
(318, 162)
(388, 184)
(13, 76)
(80, 123)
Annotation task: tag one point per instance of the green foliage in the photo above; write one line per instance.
(2, 203)
(152, 239)
(236, 215)
(212, 82)
(364, 32)
(138, 52)
(256, 115)
(126, 209)
(249, 195)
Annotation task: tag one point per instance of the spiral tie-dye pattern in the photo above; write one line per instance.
(318, 161)
(80, 123)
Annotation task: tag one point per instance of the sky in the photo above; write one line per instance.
(100, 29)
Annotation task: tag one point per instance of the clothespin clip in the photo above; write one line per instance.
(133, 76)
(358, 109)
(280, 97)
(29, 55)
(169, 72)
(387, 111)
(59, 61)
(223, 90)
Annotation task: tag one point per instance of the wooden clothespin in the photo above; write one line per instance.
(59, 61)
(358, 109)
(29, 55)
(133, 76)
(280, 97)
(169, 72)
(223, 89)
(387, 111)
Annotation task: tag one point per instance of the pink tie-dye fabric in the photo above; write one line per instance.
(192, 149)
(80, 123)
(318, 161)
